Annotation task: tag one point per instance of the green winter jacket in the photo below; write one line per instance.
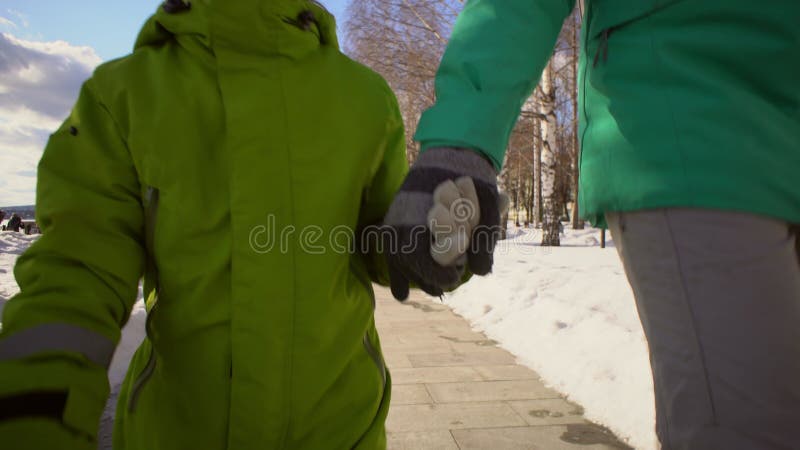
(230, 157)
(683, 103)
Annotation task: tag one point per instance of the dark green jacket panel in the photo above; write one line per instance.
(694, 106)
(684, 103)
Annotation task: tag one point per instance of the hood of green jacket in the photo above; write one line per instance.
(261, 27)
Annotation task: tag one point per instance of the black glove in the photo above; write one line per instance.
(409, 254)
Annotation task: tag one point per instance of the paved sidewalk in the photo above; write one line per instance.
(455, 389)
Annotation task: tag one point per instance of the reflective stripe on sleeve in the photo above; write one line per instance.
(58, 337)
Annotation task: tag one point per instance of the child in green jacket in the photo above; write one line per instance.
(232, 125)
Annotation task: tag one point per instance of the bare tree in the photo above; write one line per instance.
(404, 40)
(551, 226)
(575, 22)
(537, 173)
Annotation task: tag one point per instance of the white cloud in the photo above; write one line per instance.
(21, 18)
(39, 82)
(7, 23)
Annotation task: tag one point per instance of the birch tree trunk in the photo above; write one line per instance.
(503, 175)
(550, 204)
(577, 223)
(537, 174)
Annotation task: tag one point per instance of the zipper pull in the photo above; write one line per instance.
(603, 46)
(605, 49)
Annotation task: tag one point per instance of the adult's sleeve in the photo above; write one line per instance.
(78, 284)
(495, 57)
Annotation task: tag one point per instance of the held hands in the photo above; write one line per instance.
(452, 219)
(444, 219)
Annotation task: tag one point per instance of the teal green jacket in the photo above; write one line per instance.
(228, 159)
(683, 103)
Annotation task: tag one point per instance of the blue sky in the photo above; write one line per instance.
(109, 27)
(47, 49)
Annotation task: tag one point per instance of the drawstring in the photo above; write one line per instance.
(175, 6)
(304, 21)
(603, 46)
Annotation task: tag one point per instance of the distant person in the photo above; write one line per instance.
(249, 346)
(28, 227)
(14, 223)
(690, 127)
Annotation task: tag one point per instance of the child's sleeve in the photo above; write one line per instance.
(78, 284)
(376, 200)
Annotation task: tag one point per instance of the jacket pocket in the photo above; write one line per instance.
(143, 377)
(614, 14)
(358, 270)
(605, 17)
(376, 357)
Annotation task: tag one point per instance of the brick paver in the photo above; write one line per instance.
(455, 389)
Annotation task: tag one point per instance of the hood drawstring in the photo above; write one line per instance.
(304, 21)
(175, 6)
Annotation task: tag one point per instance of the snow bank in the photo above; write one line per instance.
(569, 314)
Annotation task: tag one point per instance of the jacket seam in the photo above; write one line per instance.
(217, 82)
(290, 368)
(98, 99)
(685, 292)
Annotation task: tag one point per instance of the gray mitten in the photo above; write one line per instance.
(429, 237)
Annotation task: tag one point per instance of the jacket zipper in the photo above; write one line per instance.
(586, 20)
(151, 214)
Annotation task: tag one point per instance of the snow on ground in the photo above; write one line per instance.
(568, 313)
(11, 246)
(132, 336)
